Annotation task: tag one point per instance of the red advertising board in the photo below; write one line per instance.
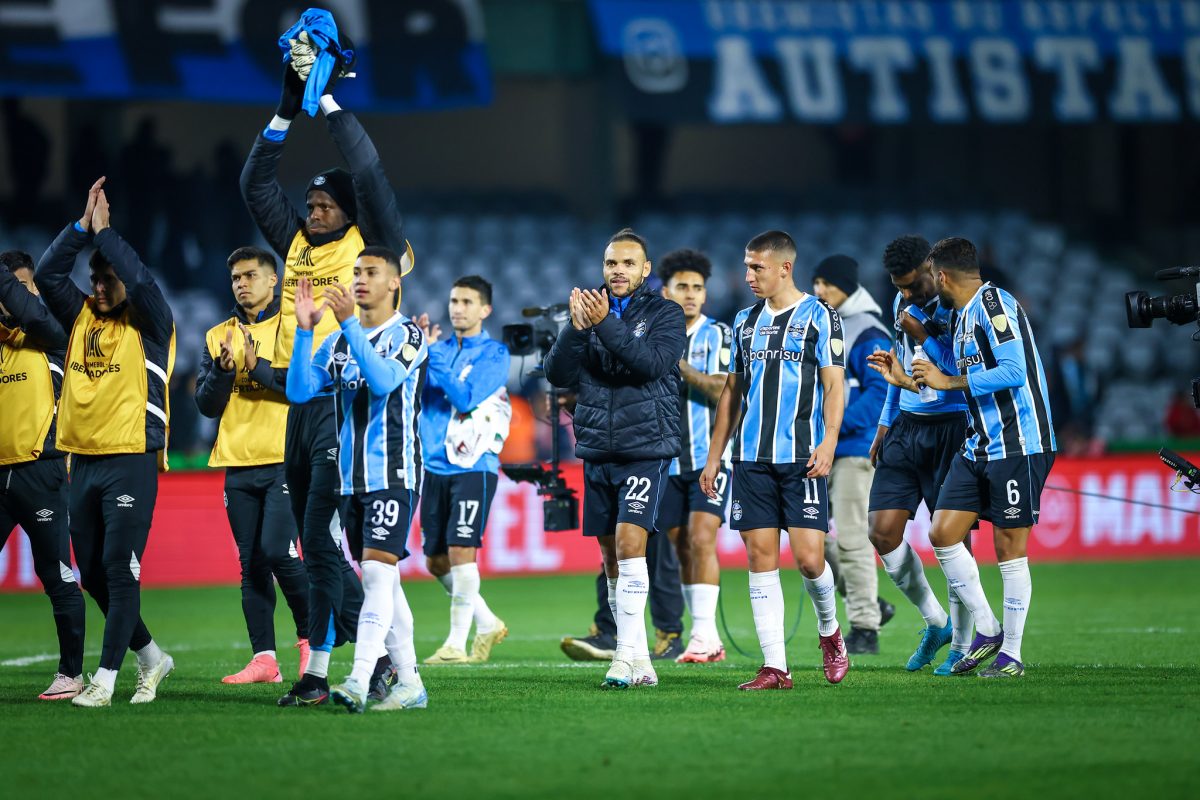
(1103, 508)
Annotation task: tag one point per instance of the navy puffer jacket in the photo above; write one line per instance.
(625, 372)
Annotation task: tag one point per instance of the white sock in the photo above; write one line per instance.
(400, 646)
(375, 618)
(961, 621)
(318, 663)
(823, 591)
(903, 565)
(278, 123)
(766, 602)
(963, 574)
(106, 678)
(447, 582)
(632, 587)
(462, 603)
(270, 653)
(704, 611)
(485, 620)
(688, 602)
(1018, 589)
(149, 655)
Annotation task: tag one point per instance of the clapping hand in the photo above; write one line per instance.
(307, 313)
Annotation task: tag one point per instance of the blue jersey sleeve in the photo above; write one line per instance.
(891, 406)
(384, 374)
(999, 322)
(831, 345)
(308, 376)
(488, 372)
(737, 354)
(719, 352)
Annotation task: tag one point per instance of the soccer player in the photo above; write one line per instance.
(1005, 459)
(248, 397)
(620, 354)
(375, 364)
(33, 475)
(835, 281)
(690, 518)
(914, 446)
(784, 398)
(346, 212)
(113, 418)
(464, 422)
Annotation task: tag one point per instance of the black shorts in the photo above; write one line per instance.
(379, 520)
(1007, 491)
(615, 493)
(454, 510)
(683, 496)
(778, 496)
(916, 454)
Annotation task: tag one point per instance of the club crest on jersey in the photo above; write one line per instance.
(796, 330)
(737, 511)
(639, 330)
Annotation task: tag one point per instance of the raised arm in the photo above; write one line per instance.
(155, 317)
(487, 375)
(379, 217)
(307, 377)
(34, 318)
(565, 359)
(53, 275)
(656, 351)
(384, 374)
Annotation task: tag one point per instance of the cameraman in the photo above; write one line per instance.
(621, 354)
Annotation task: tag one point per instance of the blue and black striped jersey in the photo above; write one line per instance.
(779, 356)
(1006, 394)
(709, 350)
(940, 327)
(378, 444)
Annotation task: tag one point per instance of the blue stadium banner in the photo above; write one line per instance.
(890, 62)
(412, 54)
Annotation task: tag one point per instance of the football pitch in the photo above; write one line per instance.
(1109, 707)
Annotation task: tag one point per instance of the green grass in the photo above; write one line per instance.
(1109, 707)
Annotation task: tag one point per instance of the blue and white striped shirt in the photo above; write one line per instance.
(779, 356)
(377, 376)
(709, 344)
(1006, 384)
(942, 321)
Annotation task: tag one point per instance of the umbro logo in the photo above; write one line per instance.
(465, 531)
(332, 454)
(636, 507)
(341, 358)
(285, 489)
(810, 512)
(45, 515)
(1012, 513)
(380, 533)
(125, 501)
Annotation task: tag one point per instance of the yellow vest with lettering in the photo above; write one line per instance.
(27, 397)
(253, 425)
(324, 265)
(107, 405)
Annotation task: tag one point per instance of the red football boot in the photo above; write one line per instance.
(768, 678)
(833, 652)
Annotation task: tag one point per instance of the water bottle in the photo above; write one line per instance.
(927, 393)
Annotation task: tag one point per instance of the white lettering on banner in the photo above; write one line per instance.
(740, 91)
(881, 57)
(810, 76)
(946, 103)
(1103, 517)
(1140, 92)
(1070, 58)
(1001, 93)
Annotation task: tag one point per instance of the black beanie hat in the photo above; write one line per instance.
(338, 184)
(841, 271)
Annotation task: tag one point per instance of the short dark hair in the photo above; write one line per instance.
(628, 235)
(684, 260)
(775, 242)
(98, 263)
(955, 253)
(905, 254)
(387, 254)
(14, 260)
(264, 257)
(479, 285)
